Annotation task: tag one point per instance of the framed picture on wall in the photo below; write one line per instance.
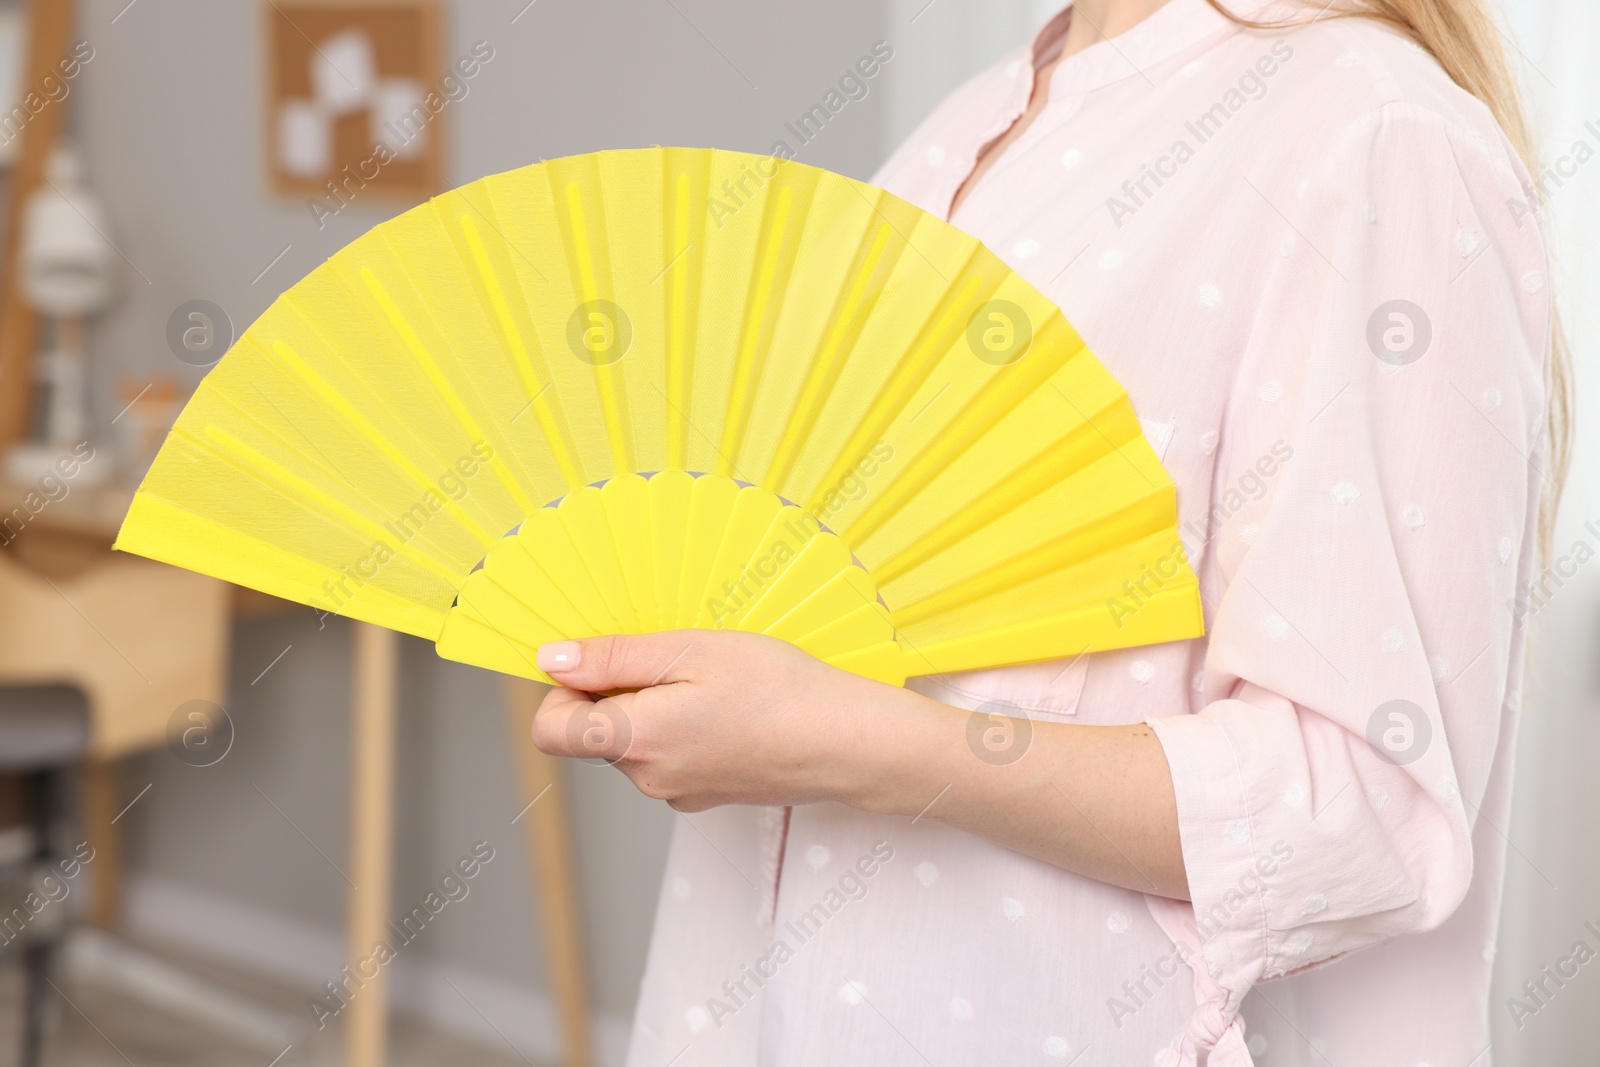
(354, 105)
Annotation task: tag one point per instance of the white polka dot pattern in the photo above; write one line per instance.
(1357, 525)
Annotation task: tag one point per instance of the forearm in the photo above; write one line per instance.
(1097, 800)
(723, 717)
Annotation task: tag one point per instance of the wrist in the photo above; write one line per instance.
(896, 759)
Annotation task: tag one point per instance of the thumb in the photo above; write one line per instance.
(618, 661)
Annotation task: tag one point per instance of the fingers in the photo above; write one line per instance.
(572, 723)
(623, 661)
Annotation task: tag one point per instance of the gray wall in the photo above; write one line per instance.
(169, 114)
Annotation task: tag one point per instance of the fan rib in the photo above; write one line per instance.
(513, 568)
(755, 334)
(845, 633)
(315, 459)
(1081, 445)
(332, 398)
(859, 299)
(546, 537)
(1126, 525)
(465, 639)
(682, 307)
(627, 507)
(817, 560)
(711, 503)
(533, 389)
(164, 530)
(608, 376)
(915, 367)
(495, 621)
(983, 411)
(495, 604)
(754, 512)
(458, 407)
(583, 515)
(241, 456)
(816, 609)
(1170, 614)
(670, 493)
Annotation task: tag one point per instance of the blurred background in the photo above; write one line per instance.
(169, 167)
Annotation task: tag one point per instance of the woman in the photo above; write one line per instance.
(1311, 257)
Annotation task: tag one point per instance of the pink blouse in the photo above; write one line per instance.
(1309, 257)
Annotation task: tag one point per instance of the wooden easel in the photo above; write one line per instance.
(49, 39)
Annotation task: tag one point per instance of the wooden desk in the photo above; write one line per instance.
(71, 538)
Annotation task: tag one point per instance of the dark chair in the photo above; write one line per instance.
(44, 732)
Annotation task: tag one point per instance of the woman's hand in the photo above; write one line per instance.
(709, 717)
(717, 717)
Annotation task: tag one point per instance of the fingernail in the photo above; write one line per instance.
(559, 655)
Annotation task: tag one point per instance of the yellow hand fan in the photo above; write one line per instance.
(642, 390)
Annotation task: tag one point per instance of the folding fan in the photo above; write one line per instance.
(643, 390)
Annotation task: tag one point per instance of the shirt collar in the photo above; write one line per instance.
(1171, 30)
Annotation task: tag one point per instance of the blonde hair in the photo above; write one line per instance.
(1462, 36)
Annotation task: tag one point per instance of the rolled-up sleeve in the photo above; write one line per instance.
(1365, 609)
